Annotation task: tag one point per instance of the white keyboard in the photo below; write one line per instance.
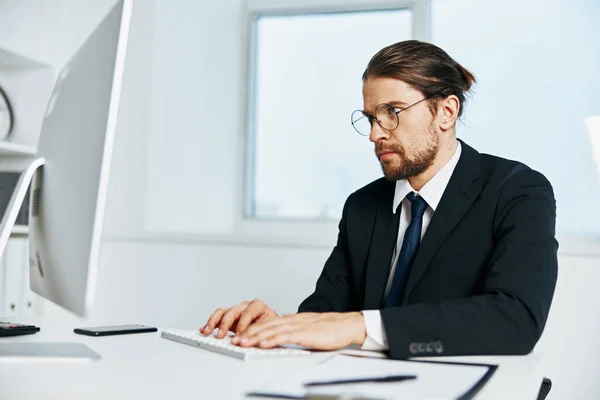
(224, 346)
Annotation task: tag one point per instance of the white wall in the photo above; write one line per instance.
(177, 284)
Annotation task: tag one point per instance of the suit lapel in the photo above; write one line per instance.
(462, 190)
(383, 241)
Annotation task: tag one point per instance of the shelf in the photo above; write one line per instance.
(15, 149)
(20, 230)
(28, 84)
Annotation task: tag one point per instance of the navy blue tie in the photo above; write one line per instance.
(410, 245)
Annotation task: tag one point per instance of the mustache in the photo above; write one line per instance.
(381, 148)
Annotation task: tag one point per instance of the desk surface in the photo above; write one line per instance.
(150, 367)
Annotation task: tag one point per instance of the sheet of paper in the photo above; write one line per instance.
(362, 353)
(434, 381)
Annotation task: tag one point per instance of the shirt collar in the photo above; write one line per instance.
(433, 190)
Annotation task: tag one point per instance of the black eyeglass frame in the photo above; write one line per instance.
(372, 118)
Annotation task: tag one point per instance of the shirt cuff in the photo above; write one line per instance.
(376, 338)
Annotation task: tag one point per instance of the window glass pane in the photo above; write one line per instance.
(307, 157)
(538, 67)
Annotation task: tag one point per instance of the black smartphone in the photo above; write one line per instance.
(114, 330)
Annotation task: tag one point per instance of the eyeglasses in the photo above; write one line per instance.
(385, 115)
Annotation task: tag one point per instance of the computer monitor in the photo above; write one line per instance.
(68, 180)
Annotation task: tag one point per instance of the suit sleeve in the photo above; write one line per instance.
(333, 289)
(509, 316)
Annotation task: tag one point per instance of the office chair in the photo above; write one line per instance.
(545, 388)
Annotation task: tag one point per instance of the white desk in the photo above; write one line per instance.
(146, 366)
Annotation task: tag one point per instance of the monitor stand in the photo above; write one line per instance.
(45, 351)
(12, 349)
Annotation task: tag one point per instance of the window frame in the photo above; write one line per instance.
(286, 231)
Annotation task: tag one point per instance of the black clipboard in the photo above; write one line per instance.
(476, 388)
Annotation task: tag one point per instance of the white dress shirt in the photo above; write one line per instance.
(432, 193)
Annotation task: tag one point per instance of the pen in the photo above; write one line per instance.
(390, 378)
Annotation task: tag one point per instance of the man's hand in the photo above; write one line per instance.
(320, 331)
(238, 318)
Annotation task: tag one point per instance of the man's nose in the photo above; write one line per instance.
(377, 132)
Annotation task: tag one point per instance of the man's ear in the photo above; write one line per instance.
(448, 110)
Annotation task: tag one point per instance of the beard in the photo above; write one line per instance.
(416, 164)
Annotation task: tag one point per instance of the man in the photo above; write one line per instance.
(452, 253)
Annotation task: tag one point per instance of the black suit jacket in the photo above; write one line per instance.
(483, 278)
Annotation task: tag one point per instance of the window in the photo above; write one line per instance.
(305, 157)
(538, 96)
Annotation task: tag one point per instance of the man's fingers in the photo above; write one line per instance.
(228, 319)
(255, 310)
(262, 325)
(267, 334)
(281, 338)
(213, 320)
(258, 327)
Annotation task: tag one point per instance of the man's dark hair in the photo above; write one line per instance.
(425, 67)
